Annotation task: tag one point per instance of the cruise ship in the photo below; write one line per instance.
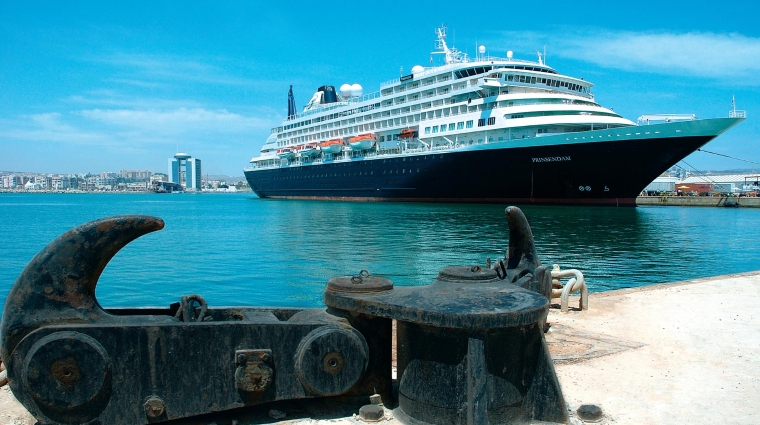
(488, 129)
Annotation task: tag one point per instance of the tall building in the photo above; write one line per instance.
(185, 171)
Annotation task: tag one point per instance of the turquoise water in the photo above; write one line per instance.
(236, 249)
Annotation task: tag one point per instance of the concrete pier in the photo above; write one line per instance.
(697, 201)
(685, 352)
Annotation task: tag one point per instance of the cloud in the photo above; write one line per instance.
(177, 121)
(166, 68)
(701, 54)
(124, 128)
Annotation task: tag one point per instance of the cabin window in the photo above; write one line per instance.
(481, 122)
(451, 127)
(435, 129)
(469, 124)
(427, 130)
(492, 121)
(460, 125)
(443, 128)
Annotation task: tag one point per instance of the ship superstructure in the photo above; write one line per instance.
(487, 129)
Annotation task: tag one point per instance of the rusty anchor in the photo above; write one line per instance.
(470, 345)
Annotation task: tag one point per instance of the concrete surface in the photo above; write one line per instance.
(697, 201)
(681, 353)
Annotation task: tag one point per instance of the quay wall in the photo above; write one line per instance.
(697, 201)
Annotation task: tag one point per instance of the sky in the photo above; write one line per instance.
(93, 86)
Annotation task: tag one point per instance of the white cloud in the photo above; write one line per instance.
(702, 54)
(177, 121)
(170, 69)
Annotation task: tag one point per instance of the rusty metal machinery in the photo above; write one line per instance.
(470, 345)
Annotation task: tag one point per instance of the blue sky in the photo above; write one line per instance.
(102, 86)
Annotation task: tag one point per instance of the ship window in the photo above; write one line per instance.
(435, 129)
(443, 128)
(460, 125)
(481, 122)
(469, 124)
(451, 127)
(427, 130)
(492, 121)
(533, 80)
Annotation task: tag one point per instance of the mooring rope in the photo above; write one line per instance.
(720, 154)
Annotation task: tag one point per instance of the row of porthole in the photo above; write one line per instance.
(609, 135)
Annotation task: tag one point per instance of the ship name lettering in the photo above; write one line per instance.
(552, 159)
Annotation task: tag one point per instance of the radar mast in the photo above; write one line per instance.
(450, 55)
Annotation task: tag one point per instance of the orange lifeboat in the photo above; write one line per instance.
(286, 153)
(308, 149)
(331, 146)
(362, 141)
(407, 133)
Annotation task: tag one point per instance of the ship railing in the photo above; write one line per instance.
(737, 114)
(345, 102)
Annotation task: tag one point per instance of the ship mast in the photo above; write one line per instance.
(291, 104)
(451, 55)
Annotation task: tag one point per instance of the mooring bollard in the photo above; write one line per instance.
(470, 345)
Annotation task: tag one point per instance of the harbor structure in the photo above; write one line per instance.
(185, 171)
(748, 183)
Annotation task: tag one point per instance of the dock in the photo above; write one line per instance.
(684, 352)
(699, 201)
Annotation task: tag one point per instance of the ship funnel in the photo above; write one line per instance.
(329, 94)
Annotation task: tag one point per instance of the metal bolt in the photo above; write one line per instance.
(590, 412)
(154, 407)
(371, 413)
(265, 357)
(241, 358)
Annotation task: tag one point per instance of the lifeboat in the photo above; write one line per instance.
(308, 149)
(331, 146)
(362, 141)
(286, 153)
(407, 133)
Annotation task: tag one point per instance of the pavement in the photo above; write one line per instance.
(679, 353)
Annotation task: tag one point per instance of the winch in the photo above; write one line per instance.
(470, 345)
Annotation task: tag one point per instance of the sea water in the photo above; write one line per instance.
(237, 249)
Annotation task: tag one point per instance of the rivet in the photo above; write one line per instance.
(154, 407)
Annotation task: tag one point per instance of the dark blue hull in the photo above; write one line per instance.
(598, 173)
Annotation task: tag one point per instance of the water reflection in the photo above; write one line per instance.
(240, 250)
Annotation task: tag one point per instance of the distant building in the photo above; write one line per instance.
(135, 175)
(159, 177)
(186, 171)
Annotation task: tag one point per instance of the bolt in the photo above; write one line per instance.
(371, 413)
(154, 407)
(265, 357)
(241, 358)
(590, 412)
